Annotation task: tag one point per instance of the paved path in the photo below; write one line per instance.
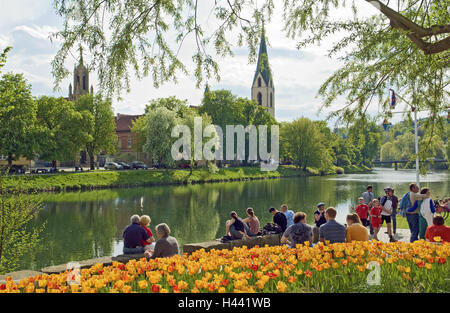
(401, 235)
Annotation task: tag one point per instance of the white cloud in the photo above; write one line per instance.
(4, 41)
(15, 11)
(298, 74)
(39, 32)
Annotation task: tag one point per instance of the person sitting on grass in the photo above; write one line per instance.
(235, 227)
(252, 222)
(355, 230)
(297, 233)
(166, 246)
(332, 231)
(438, 229)
(375, 217)
(279, 218)
(289, 215)
(144, 221)
(133, 235)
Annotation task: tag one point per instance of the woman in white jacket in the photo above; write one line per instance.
(426, 213)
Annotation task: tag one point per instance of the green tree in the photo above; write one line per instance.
(365, 134)
(303, 143)
(404, 148)
(17, 118)
(3, 56)
(99, 125)
(171, 103)
(157, 127)
(403, 45)
(61, 134)
(222, 106)
(387, 152)
(188, 120)
(17, 210)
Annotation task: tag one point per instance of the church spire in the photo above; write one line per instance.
(81, 56)
(263, 60)
(263, 91)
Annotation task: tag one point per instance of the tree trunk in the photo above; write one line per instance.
(54, 164)
(91, 161)
(10, 159)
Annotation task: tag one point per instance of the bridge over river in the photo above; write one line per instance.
(396, 162)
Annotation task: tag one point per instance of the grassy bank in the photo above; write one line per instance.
(116, 179)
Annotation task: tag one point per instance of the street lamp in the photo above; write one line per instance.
(416, 140)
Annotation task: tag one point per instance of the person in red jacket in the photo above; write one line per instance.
(438, 229)
(375, 217)
(145, 220)
(362, 210)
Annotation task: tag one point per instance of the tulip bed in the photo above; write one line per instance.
(343, 267)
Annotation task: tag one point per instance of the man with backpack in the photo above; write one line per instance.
(407, 203)
(386, 214)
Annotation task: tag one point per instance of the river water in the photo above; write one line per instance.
(83, 225)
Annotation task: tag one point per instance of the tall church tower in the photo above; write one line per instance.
(263, 90)
(80, 80)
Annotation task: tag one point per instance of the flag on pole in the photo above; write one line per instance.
(393, 100)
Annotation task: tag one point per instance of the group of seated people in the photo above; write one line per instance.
(296, 230)
(138, 238)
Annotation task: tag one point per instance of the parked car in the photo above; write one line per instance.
(138, 164)
(15, 169)
(125, 166)
(157, 165)
(113, 166)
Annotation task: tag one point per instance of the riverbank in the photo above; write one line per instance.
(126, 179)
(270, 269)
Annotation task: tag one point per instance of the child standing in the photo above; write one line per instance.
(145, 221)
(362, 210)
(375, 217)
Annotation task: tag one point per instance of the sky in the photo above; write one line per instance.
(298, 74)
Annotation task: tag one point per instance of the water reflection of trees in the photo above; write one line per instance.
(74, 231)
(85, 225)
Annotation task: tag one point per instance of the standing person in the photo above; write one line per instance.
(319, 216)
(253, 223)
(386, 212)
(362, 210)
(368, 198)
(412, 215)
(355, 230)
(133, 236)
(279, 218)
(297, 233)
(394, 200)
(289, 215)
(166, 246)
(144, 221)
(332, 231)
(375, 217)
(426, 211)
(235, 227)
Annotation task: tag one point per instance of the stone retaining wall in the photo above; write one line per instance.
(271, 240)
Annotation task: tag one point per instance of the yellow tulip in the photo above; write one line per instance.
(143, 284)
